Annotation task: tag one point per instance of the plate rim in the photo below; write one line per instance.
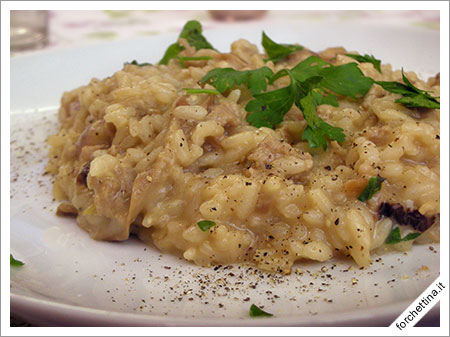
(45, 308)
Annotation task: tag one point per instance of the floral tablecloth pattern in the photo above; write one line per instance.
(73, 28)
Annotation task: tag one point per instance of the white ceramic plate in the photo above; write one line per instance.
(69, 279)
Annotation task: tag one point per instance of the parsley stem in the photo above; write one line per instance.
(194, 91)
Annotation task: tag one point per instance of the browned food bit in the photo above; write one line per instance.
(81, 177)
(406, 217)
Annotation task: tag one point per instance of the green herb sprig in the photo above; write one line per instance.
(224, 79)
(395, 237)
(258, 312)
(195, 91)
(276, 51)
(412, 96)
(192, 32)
(312, 83)
(15, 263)
(373, 186)
(172, 52)
(205, 225)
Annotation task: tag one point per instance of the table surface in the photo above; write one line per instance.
(68, 29)
(80, 28)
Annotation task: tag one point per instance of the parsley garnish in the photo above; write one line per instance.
(134, 62)
(311, 83)
(14, 262)
(192, 58)
(276, 51)
(269, 108)
(204, 225)
(171, 53)
(194, 91)
(224, 79)
(346, 79)
(373, 186)
(317, 129)
(192, 32)
(395, 237)
(257, 312)
(412, 96)
(367, 59)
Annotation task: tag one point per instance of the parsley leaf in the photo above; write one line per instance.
(224, 79)
(321, 97)
(367, 59)
(171, 53)
(395, 237)
(14, 262)
(192, 32)
(317, 129)
(134, 62)
(412, 96)
(268, 109)
(276, 51)
(373, 186)
(194, 91)
(258, 312)
(204, 225)
(396, 88)
(346, 79)
(419, 101)
(308, 68)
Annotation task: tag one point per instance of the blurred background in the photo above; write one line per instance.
(31, 30)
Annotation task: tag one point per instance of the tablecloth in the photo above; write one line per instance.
(74, 28)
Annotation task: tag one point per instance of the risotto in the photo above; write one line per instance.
(189, 171)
